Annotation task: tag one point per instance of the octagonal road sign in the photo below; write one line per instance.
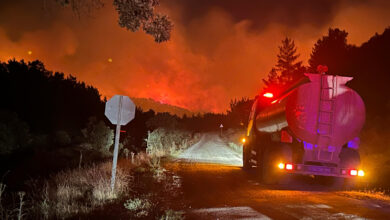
(122, 107)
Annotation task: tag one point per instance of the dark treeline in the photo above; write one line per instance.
(368, 64)
(46, 101)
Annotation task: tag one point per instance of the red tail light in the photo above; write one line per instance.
(268, 95)
(353, 172)
(289, 166)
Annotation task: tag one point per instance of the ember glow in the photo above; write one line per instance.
(218, 50)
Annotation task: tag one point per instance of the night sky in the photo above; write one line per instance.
(219, 50)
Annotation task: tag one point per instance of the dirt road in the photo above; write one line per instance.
(211, 149)
(217, 191)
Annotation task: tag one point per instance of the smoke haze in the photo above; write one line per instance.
(219, 50)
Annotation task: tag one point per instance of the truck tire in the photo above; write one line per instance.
(270, 172)
(246, 164)
(349, 158)
(267, 171)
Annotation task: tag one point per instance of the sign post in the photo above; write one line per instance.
(120, 110)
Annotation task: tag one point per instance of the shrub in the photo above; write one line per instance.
(98, 136)
(172, 215)
(168, 142)
(139, 206)
(14, 133)
(62, 138)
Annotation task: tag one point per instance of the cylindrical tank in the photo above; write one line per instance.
(323, 111)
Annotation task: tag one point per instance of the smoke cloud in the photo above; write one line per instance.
(219, 50)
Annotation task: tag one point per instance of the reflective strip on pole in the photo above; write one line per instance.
(117, 133)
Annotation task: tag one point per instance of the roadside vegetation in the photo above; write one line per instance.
(169, 143)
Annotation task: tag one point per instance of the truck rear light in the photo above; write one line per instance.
(353, 172)
(360, 173)
(268, 95)
(281, 166)
(289, 166)
(343, 172)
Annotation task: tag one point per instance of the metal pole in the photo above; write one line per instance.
(117, 133)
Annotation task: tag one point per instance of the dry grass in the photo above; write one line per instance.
(140, 207)
(367, 194)
(81, 190)
(172, 215)
(73, 192)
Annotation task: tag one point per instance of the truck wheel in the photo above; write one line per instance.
(349, 158)
(246, 164)
(268, 174)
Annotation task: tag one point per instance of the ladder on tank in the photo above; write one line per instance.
(326, 117)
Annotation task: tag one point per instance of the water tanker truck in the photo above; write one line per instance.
(312, 128)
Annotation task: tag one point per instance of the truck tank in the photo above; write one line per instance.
(323, 113)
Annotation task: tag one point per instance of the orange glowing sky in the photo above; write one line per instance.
(219, 50)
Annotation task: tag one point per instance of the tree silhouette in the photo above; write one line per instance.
(368, 64)
(239, 112)
(331, 50)
(47, 101)
(133, 14)
(287, 69)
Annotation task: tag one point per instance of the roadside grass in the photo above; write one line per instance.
(377, 194)
(66, 194)
(143, 186)
(156, 193)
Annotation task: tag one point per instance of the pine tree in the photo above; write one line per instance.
(287, 68)
(273, 78)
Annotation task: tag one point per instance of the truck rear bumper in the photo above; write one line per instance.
(304, 169)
